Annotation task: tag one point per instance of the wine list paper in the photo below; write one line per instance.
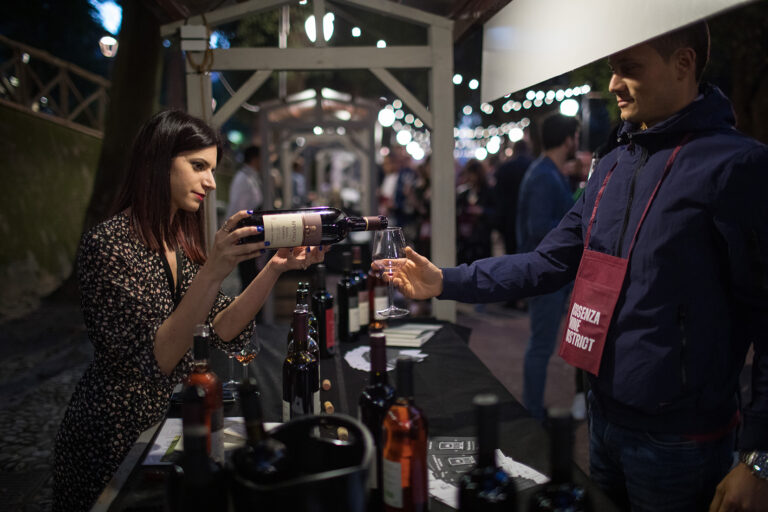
(450, 457)
(360, 358)
(169, 444)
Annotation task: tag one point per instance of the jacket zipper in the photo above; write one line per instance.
(683, 344)
(643, 158)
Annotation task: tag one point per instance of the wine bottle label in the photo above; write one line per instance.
(354, 320)
(379, 304)
(298, 407)
(362, 299)
(286, 411)
(292, 229)
(393, 486)
(330, 329)
(217, 435)
(313, 229)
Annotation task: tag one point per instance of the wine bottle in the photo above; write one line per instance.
(206, 379)
(299, 373)
(487, 487)
(302, 294)
(306, 300)
(348, 310)
(404, 454)
(378, 299)
(263, 459)
(361, 279)
(312, 346)
(561, 494)
(375, 401)
(307, 226)
(322, 305)
(198, 483)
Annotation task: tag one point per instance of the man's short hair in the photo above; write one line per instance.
(250, 153)
(555, 128)
(694, 36)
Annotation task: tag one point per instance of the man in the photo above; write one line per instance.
(545, 197)
(661, 316)
(508, 176)
(245, 193)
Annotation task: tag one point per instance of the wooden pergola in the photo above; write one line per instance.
(436, 57)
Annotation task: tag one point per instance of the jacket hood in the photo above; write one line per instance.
(711, 111)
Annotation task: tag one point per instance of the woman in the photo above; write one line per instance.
(146, 281)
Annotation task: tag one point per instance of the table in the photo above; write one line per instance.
(445, 384)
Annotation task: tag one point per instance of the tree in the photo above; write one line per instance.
(133, 99)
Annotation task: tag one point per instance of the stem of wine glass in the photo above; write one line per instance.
(230, 368)
(245, 372)
(391, 294)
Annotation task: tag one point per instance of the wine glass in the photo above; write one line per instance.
(230, 385)
(248, 353)
(388, 256)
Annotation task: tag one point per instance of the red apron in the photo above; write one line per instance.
(596, 290)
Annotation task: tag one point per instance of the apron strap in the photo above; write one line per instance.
(597, 202)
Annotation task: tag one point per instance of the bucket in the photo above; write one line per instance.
(332, 473)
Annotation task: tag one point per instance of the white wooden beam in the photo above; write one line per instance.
(443, 213)
(224, 15)
(350, 57)
(318, 7)
(401, 12)
(241, 95)
(403, 93)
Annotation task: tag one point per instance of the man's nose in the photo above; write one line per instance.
(615, 84)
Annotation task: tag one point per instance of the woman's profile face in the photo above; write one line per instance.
(192, 178)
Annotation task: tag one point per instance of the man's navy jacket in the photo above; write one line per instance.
(696, 291)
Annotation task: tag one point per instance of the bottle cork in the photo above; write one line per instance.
(328, 407)
(326, 384)
(342, 433)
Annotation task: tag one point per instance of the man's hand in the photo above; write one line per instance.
(418, 278)
(740, 490)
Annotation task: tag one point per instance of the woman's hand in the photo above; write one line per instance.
(417, 278)
(226, 253)
(295, 258)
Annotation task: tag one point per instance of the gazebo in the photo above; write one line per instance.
(436, 56)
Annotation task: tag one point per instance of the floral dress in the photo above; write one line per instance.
(126, 295)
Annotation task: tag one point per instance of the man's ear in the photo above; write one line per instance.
(685, 62)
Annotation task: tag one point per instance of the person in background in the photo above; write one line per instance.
(146, 279)
(404, 209)
(509, 175)
(388, 184)
(669, 248)
(422, 197)
(474, 214)
(545, 197)
(246, 193)
(299, 184)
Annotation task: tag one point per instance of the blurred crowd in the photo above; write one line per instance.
(486, 197)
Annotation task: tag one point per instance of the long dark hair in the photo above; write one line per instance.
(147, 190)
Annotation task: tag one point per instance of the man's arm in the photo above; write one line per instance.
(551, 266)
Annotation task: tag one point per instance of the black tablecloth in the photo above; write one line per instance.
(445, 384)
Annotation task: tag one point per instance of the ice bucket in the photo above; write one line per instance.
(332, 473)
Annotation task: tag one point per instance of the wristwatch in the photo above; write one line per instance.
(757, 462)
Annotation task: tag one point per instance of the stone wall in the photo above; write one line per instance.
(47, 175)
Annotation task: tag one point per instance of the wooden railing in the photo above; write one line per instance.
(34, 80)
